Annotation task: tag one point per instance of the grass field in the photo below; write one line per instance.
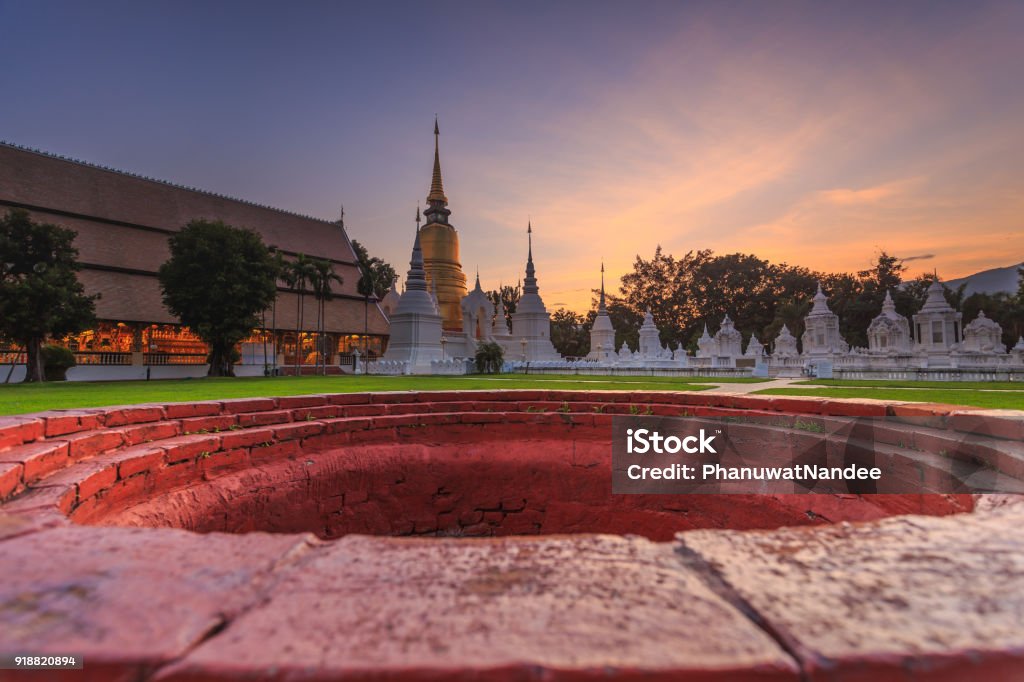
(992, 398)
(22, 398)
(945, 385)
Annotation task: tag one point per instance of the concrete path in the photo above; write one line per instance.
(752, 388)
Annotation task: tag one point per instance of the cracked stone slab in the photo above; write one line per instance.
(911, 597)
(521, 608)
(128, 600)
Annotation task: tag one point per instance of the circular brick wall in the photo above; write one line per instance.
(894, 595)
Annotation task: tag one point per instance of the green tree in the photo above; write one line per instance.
(217, 281)
(570, 333)
(490, 357)
(375, 279)
(40, 295)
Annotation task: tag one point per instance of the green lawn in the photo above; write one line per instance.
(945, 385)
(945, 394)
(19, 398)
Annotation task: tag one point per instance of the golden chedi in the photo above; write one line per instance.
(440, 244)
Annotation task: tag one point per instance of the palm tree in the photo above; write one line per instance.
(322, 278)
(282, 275)
(300, 272)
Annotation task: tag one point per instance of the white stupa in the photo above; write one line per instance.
(729, 340)
(983, 335)
(602, 334)
(531, 323)
(650, 347)
(415, 324)
(478, 319)
(890, 331)
(821, 334)
(937, 325)
(785, 344)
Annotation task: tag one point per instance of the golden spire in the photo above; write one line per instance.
(436, 186)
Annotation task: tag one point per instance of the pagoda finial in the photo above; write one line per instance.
(418, 217)
(436, 184)
(530, 282)
(601, 306)
(341, 219)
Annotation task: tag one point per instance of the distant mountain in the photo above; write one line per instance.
(988, 281)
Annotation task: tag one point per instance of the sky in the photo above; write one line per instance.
(811, 133)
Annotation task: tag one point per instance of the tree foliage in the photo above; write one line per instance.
(508, 295)
(570, 333)
(700, 288)
(217, 281)
(375, 275)
(40, 295)
(490, 357)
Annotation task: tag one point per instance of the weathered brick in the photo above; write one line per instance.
(91, 443)
(223, 462)
(321, 412)
(15, 431)
(10, 478)
(249, 405)
(245, 438)
(299, 430)
(133, 415)
(208, 424)
(184, 410)
(189, 447)
(293, 401)
(99, 479)
(288, 448)
(133, 461)
(39, 459)
(143, 433)
(348, 398)
(248, 419)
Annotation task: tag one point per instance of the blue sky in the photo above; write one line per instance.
(816, 133)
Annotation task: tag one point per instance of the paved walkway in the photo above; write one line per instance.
(751, 388)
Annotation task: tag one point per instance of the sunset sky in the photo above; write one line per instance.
(811, 133)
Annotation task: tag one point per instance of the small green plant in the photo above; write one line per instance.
(634, 409)
(490, 358)
(649, 411)
(813, 427)
(205, 454)
(564, 408)
(599, 409)
(57, 360)
(310, 417)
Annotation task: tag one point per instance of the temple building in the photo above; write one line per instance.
(123, 222)
(440, 243)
